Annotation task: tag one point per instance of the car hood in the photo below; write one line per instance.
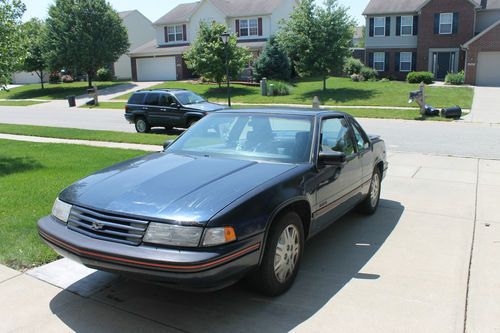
(206, 106)
(169, 186)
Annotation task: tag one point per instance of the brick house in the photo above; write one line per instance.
(253, 21)
(439, 36)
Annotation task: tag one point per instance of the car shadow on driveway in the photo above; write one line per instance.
(332, 259)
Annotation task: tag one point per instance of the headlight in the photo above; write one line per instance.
(168, 234)
(61, 210)
(217, 236)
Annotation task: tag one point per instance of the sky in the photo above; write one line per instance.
(154, 9)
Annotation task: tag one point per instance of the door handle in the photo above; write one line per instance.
(144, 108)
(163, 109)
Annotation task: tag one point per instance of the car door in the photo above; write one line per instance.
(336, 186)
(152, 109)
(366, 154)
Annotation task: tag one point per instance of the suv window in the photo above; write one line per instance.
(136, 98)
(166, 100)
(152, 99)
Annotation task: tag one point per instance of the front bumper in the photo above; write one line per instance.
(194, 269)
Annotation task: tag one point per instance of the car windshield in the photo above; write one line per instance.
(249, 136)
(189, 97)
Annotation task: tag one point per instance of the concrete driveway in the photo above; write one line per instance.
(407, 268)
(485, 106)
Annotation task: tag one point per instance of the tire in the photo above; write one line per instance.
(142, 125)
(370, 204)
(276, 273)
(191, 122)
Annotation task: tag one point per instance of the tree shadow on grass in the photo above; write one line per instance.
(221, 92)
(340, 95)
(11, 165)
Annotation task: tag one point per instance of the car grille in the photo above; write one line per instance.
(107, 226)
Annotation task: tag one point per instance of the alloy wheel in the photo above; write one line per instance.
(287, 253)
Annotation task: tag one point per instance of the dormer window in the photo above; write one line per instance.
(249, 27)
(174, 33)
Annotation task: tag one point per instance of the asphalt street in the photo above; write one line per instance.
(429, 137)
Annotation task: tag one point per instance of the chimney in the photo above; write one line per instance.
(484, 3)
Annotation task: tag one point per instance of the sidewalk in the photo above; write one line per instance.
(485, 106)
(425, 262)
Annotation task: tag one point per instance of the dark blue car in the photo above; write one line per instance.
(236, 195)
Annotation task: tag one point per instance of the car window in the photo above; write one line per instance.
(137, 98)
(250, 136)
(152, 99)
(189, 97)
(361, 140)
(335, 136)
(166, 100)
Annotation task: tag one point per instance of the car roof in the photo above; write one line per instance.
(160, 90)
(285, 111)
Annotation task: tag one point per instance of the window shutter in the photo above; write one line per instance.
(414, 61)
(184, 32)
(398, 25)
(238, 28)
(436, 23)
(372, 25)
(166, 34)
(415, 25)
(455, 23)
(370, 59)
(260, 26)
(388, 26)
(397, 61)
(386, 67)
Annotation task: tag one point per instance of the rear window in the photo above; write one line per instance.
(152, 99)
(136, 98)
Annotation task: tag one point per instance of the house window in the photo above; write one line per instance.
(379, 61)
(174, 33)
(405, 61)
(406, 25)
(379, 26)
(445, 23)
(249, 27)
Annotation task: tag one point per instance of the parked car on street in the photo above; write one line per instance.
(234, 196)
(166, 108)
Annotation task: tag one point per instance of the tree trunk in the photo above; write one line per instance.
(89, 78)
(40, 76)
(324, 82)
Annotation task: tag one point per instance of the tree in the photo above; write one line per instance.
(12, 52)
(273, 63)
(317, 38)
(207, 56)
(84, 35)
(34, 40)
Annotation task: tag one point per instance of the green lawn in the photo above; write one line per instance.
(81, 134)
(31, 176)
(19, 103)
(52, 91)
(341, 91)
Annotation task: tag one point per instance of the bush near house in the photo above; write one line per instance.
(352, 66)
(455, 78)
(280, 88)
(417, 77)
(104, 74)
(368, 74)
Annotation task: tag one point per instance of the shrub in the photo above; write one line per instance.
(54, 78)
(273, 63)
(385, 79)
(368, 74)
(352, 66)
(455, 78)
(67, 78)
(417, 77)
(280, 88)
(104, 74)
(355, 77)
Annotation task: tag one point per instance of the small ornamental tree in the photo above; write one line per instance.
(317, 38)
(273, 63)
(207, 56)
(34, 40)
(12, 50)
(84, 35)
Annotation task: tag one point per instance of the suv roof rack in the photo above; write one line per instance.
(162, 89)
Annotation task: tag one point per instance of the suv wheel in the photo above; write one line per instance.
(142, 125)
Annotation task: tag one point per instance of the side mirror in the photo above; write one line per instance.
(331, 158)
(167, 143)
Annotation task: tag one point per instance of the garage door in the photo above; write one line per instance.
(488, 69)
(156, 69)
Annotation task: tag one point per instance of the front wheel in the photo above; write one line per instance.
(142, 125)
(370, 204)
(282, 255)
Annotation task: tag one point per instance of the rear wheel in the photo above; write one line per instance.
(282, 255)
(370, 204)
(142, 125)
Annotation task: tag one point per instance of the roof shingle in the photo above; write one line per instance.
(399, 6)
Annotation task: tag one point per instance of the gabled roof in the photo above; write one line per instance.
(125, 13)
(478, 36)
(493, 4)
(400, 6)
(180, 14)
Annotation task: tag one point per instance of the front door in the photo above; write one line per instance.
(442, 64)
